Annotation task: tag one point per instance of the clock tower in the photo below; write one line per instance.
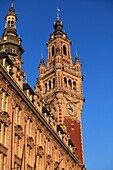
(60, 83)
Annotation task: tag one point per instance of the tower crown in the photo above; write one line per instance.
(11, 18)
(58, 25)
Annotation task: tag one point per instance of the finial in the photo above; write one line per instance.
(58, 14)
(12, 3)
(76, 58)
(76, 52)
(42, 57)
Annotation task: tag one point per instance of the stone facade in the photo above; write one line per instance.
(40, 129)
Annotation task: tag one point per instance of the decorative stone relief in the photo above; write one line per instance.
(48, 159)
(19, 131)
(40, 151)
(30, 142)
(5, 118)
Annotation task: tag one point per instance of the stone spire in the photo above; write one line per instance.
(77, 63)
(76, 58)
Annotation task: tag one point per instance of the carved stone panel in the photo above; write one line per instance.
(40, 151)
(5, 118)
(30, 142)
(19, 131)
(48, 159)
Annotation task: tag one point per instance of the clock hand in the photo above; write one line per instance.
(70, 109)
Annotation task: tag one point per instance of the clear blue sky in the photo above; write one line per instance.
(89, 24)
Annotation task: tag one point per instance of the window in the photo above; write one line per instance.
(4, 135)
(3, 100)
(53, 50)
(17, 116)
(17, 145)
(64, 50)
(49, 85)
(46, 87)
(65, 82)
(69, 84)
(74, 86)
(6, 103)
(53, 82)
(11, 22)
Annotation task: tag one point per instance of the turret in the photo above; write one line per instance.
(10, 44)
(77, 64)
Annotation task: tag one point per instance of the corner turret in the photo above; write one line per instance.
(10, 44)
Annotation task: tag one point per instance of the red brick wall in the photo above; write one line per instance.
(74, 130)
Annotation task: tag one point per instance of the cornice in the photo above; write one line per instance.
(72, 72)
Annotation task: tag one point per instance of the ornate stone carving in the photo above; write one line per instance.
(48, 159)
(57, 164)
(19, 131)
(40, 151)
(30, 142)
(5, 118)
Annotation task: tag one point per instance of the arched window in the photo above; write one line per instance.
(49, 85)
(74, 86)
(53, 50)
(11, 22)
(46, 87)
(69, 84)
(53, 82)
(64, 50)
(65, 82)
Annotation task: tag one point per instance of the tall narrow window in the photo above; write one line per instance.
(69, 84)
(53, 82)
(74, 86)
(6, 103)
(49, 85)
(17, 116)
(4, 135)
(3, 100)
(46, 87)
(30, 128)
(64, 50)
(65, 82)
(53, 50)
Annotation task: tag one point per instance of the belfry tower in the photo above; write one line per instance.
(60, 82)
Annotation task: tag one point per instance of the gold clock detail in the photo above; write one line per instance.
(71, 109)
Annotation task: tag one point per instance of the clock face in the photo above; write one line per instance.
(71, 109)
